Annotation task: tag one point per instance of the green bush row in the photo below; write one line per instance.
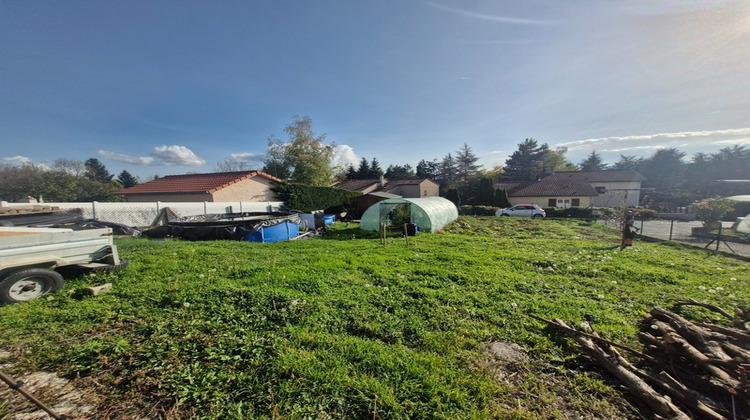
(306, 198)
(571, 212)
(477, 210)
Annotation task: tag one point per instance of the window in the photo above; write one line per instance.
(552, 202)
(575, 202)
(601, 190)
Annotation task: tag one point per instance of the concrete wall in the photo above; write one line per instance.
(142, 214)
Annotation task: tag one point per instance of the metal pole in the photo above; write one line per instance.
(718, 237)
(671, 229)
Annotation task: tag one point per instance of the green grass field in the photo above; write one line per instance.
(344, 327)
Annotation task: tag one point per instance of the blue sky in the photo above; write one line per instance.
(168, 87)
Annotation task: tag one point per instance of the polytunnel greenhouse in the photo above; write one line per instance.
(430, 214)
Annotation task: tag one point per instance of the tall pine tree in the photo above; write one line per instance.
(526, 163)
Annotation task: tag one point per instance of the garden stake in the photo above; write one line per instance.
(16, 385)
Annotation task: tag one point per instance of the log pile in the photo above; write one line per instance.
(686, 370)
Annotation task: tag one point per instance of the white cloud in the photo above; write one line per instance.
(732, 142)
(16, 161)
(658, 139)
(162, 155)
(630, 149)
(125, 158)
(345, 156)
(177, 155)
(488, 17)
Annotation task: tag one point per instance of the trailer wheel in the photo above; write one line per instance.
(29, 284)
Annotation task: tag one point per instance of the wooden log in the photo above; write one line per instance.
(593, 337)
(696, 401)
(738, 353)
(700, 338)
(656, 402)
(732, 333)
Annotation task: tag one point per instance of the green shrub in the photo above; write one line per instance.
(570, 213)
(477, 210)
(645, 213)
(712, 210)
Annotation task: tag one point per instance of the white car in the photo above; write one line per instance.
(522, 210)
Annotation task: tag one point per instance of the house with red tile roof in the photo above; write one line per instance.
(610, 188)
(212, 187)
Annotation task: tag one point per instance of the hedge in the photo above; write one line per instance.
(570, 212)
(477, 210)
(306, 198)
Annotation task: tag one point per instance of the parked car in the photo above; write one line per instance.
(522, 210)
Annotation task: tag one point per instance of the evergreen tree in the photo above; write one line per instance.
(453, 196)
(448, 171)
(593, 162)
(664, 171)
(351, 173)
(628, 162)
(466, 164)
(486, 193)
(427, 169)
(363, 172)
(96, 171)
(399, 172)
(526, 163)
(375, 170)
(126, 179)
(501, 198)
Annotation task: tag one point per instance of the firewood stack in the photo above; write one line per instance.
(687, 370)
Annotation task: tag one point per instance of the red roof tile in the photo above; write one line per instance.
(194, 183)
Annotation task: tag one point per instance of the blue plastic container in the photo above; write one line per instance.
(276, 233)
(329, 219)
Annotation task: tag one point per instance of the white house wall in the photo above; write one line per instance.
(544, 201)
(256, 188)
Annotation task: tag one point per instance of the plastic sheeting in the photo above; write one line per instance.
(429, 213)
(233, 226)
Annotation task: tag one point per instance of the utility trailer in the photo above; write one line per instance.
(31, 258)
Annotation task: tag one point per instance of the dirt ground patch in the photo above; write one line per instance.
(57, 393)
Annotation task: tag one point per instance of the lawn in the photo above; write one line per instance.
(344, 327)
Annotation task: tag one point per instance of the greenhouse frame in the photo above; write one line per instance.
(430, 214)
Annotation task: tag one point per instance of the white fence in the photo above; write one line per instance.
(143, 214)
